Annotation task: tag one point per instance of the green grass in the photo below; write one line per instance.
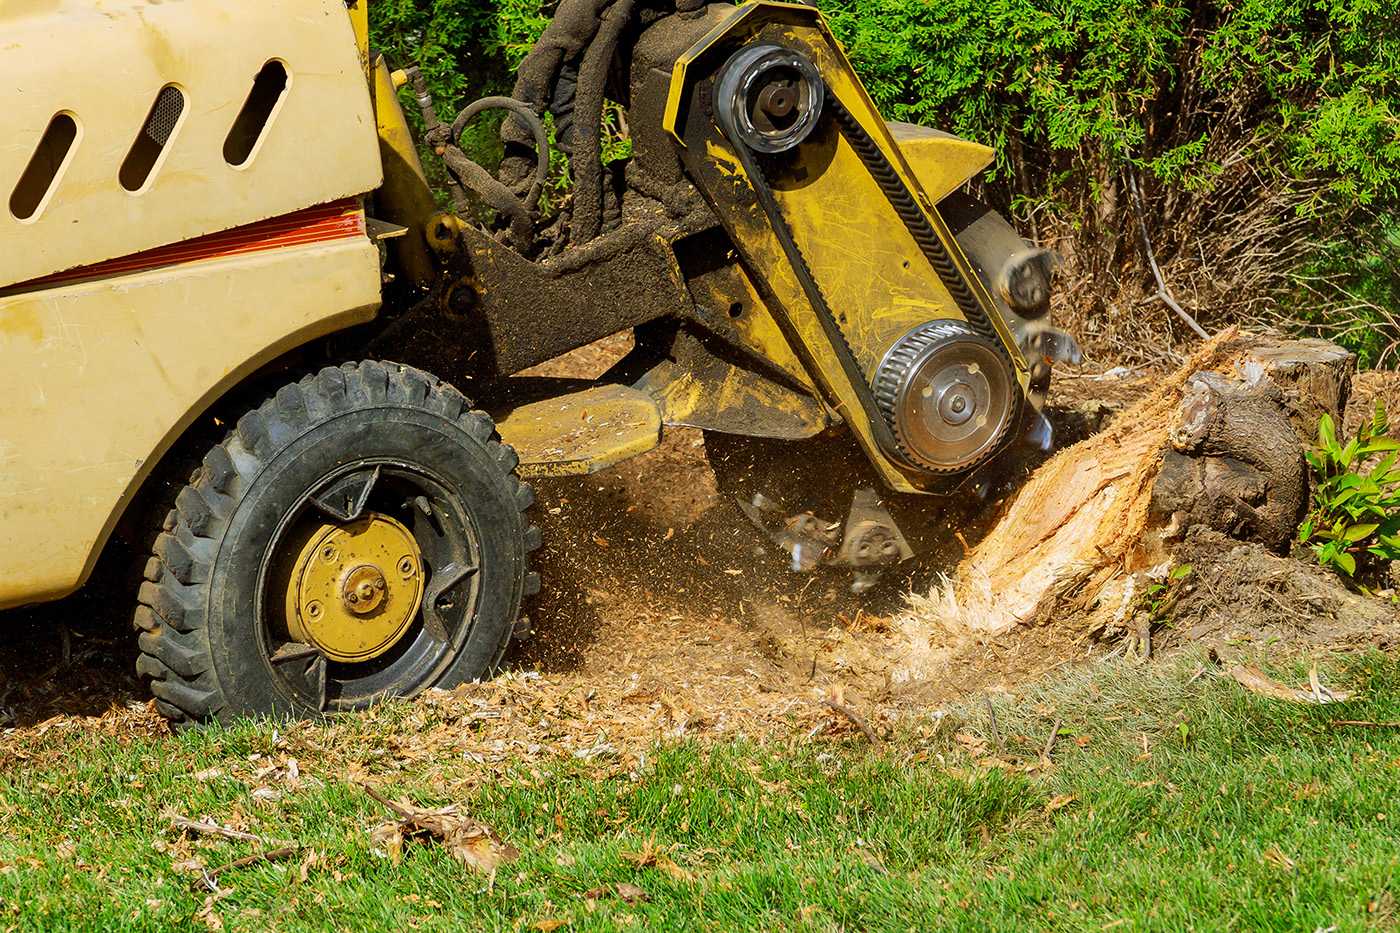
(1242, 813)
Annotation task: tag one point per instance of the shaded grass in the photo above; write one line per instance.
(1241, 812)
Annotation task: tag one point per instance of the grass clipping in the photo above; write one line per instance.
(1076, 534)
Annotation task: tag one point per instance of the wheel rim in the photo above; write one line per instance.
(368, 587)
(355, 588)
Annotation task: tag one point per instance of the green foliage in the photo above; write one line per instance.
(1159, 597)
(1122, 81)
(1350, 291)
(1355, 514)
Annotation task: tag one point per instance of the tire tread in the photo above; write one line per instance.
(170, 616)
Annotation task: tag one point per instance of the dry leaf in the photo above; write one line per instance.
(266, 795)
(629, 893)
(1059, 802)
(1274, 855)
(549, 925)
(206, 915)
(388, 839)
(469, 841)
(651, 856)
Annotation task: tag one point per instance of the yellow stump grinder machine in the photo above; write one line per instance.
(218, 234)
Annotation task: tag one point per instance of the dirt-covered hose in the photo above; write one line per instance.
(588, 120)
(569, 33)
(531, 121)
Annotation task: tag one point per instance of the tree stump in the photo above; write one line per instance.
(1313, 375)
(1217, 444)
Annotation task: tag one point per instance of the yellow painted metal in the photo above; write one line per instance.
(405, 197)
(101, 378)
(871, 271)
(582, 433)
(359, 22)
(941, 162)
(355, 589)
(729, 290)
(319, 146)
(717, 395)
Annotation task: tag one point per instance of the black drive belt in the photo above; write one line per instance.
(919, 227)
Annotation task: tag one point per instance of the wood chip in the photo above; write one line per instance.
(1256, 681)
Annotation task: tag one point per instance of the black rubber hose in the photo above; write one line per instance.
(569, 33)
(531, 121)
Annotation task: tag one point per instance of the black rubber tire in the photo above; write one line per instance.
(199, 635)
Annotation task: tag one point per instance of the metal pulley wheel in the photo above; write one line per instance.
(769, 98)
(948, 396)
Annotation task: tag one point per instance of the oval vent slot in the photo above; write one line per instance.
(269, 87)
(45, 167)
(160, 125)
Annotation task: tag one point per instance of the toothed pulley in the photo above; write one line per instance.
(948, 396)
(769, 98)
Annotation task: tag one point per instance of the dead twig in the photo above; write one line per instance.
(209, 877)
(1163, 293)
(992, 718)
(1256, 681)
(187, 825)
(1050, 741)
(402, 811)
(856, 719)
(1367, 723)
(269, 855)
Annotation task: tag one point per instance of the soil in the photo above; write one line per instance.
(665, 612)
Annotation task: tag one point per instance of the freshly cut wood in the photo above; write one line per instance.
(1214, 445)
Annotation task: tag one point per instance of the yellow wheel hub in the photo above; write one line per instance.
(356, 588)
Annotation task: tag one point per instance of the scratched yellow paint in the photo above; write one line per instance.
(870, 270)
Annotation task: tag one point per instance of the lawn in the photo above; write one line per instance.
(1173, 799)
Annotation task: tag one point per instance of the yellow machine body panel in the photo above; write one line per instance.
(156, 93)
(941, 162)
(101, 377)
(201, 217)
(867, 264)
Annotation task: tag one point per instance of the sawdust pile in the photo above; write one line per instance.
(1075, 535)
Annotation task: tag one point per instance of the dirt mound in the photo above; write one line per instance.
(1239, 596)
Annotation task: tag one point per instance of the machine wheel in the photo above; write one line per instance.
(360, 535)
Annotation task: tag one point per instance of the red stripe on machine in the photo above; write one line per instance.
(338, 220)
